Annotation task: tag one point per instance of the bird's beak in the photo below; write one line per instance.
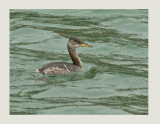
(86, 45)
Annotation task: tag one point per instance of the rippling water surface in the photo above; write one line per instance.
(114, 79)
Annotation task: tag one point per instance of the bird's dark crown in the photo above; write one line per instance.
(75, 39)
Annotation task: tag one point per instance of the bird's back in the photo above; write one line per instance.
(58, 68)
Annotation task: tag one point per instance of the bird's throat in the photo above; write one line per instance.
(72, 52)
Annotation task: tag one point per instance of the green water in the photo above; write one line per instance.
(114, 78)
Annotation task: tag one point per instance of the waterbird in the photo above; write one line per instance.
(59, 68)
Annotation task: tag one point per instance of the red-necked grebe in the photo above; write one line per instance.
(57, 68)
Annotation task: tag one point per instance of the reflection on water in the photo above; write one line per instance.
(114, 79)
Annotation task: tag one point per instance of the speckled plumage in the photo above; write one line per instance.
(58, 68)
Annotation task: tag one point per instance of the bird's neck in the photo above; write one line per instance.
(72, 52)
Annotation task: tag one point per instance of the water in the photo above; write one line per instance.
(114, 79)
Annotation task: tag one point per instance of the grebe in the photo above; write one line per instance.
(57, 68)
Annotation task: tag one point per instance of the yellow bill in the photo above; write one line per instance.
(86, 45)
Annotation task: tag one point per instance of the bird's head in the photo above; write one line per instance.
(76, 42)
